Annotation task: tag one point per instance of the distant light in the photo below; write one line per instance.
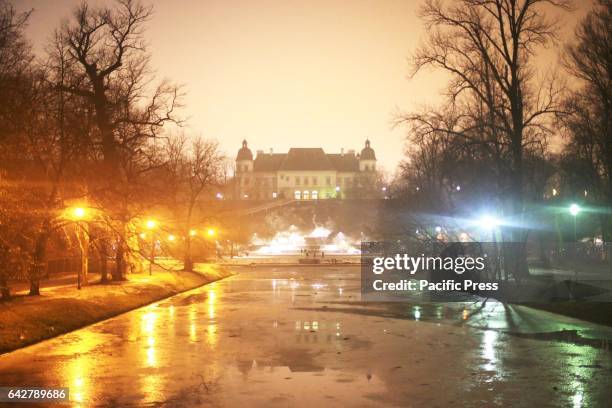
(246, 196)
(574, 209)
(554, 192)
(438, 229)
(337, 188)
(586, 193)
(458, 188)
(488, 222)
(211, 232)
(79, 212)
(192, 233)
(151, 224)
(219, 196)
(384, 189)
(418, 188)
(274, 194)
(171, 237)
(142, 235)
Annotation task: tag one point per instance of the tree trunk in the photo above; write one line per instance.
(188, 261)
(84, 246)
(103, 253)
(37, 268)
(120, 261)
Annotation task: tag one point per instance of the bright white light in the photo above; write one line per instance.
(458, 188)
(488, 222)
(438, 229)
(574, 209)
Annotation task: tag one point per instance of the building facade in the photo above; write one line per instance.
(304, 174)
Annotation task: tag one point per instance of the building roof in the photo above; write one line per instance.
(268, 161)
(244, 153)
(305, 158)
(367, 153)
(344, 162)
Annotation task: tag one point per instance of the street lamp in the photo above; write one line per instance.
(79, 214)
(151, 224)
(574, 210)
(488, 222)
(211, 232)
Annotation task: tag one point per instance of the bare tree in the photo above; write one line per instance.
(589, 119)
(495, 95)
(196, 166)
(109, 62)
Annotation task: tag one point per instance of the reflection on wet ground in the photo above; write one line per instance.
(301, 336)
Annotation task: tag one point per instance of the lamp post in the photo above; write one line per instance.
(79, 214)
(490, 223)
(211, 233)
(574, 210)
(151, 224)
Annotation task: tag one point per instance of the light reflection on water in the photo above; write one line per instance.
(148, 328)
(77, 372)
(489, 345)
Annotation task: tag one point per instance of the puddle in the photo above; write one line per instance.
(567, 336)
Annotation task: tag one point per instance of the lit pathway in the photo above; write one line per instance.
(299, 337)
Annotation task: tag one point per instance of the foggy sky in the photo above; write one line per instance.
(282, 74)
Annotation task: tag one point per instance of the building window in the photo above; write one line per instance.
(306, 195)
(274, 195)
(314, 181)
(245, 168)
(306, 180)
(297, 195)
(328, 180)
(315, 195)
(347, 181)
(297, 180)
(339, 181)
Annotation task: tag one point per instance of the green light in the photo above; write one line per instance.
(574, 209)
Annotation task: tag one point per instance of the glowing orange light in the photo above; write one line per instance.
(171, 237)
(211, 232)
(192, 233)
(151, 224)
(79, 212)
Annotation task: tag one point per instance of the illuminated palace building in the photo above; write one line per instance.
(305, 174)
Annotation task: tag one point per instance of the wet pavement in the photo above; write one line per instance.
(298, 336)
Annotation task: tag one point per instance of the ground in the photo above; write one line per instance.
(299, 336)
(26, 320)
